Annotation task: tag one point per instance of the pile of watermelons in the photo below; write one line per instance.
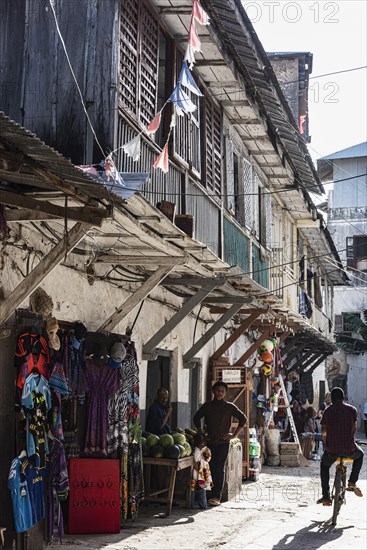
(173, 445)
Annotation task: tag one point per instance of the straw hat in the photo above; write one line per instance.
(41, 303)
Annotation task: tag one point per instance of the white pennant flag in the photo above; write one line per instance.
(132, 148)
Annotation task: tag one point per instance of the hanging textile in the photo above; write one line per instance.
(74, 365)
(101, 383)
(57, 485)
(124, 435)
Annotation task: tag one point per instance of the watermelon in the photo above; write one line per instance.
(166, 440)
(146, 434)
(182, 450)
(152, 440)
(179, 438)
(172, 452)
(187, 449)
(157, 451)
(143, 441)
(145, 450)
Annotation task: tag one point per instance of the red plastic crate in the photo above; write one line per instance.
(94, 498)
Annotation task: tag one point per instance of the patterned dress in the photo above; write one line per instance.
(124, 435)
(57, 484)
(101, 384)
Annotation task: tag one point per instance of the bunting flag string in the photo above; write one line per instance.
(182, 104)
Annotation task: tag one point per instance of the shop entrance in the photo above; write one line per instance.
(158, 376)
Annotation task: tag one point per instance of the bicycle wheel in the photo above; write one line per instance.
(337, 496)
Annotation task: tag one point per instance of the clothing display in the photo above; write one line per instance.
(101, 383)
(17, 484)
(74, 405)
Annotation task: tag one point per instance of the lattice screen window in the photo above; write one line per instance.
(268, 218)
(138, 59)
(229, 176)
(248, 190)
(213, 147)
(187, 130)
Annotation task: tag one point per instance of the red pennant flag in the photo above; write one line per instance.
(302, 118)
(154, 124)
(199, 13)
(194, 40)
(162, 160)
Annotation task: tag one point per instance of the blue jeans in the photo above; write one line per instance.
(200, 496)
(217, 467)
(328, 460)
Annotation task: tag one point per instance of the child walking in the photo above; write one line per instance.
(201, 477)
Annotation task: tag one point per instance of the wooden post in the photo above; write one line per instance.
(237, 333)
(254, 346)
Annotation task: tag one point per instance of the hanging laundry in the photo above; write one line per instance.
(111, 171)
(28, 341)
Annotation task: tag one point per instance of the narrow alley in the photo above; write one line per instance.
(279, 512)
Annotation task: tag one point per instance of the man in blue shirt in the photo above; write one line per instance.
(159, 414)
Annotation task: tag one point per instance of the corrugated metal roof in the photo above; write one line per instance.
(355, 151)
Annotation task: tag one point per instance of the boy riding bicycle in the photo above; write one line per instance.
(338, 424)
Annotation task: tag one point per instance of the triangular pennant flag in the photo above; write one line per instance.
(89, 169)
(173, 118)
(199, 13)
(301, 121)
(162, 160)
(132, 148)
(194, 40)
(186, 79)
(189, 56)
(154, 124)
(182, 100)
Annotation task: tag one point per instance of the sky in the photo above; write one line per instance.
(335, 33)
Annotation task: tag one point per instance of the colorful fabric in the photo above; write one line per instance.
(58, 380)
(201, 476)
(74, 366)
(17, 485)
(25, 344)
(30, 364)
(36, 489)
(57, 484)
(101, 383)
(36, 398)
(71, 444)
(340, 419)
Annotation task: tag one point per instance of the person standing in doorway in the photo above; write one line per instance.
(218, 414)
(159, 414)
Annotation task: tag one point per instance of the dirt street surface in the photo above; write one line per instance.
(279, 512)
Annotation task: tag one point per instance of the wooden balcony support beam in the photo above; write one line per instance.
(265, 335)
(236, 334)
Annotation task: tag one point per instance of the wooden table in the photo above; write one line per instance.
(174, 465)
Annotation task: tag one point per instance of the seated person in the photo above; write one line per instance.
(159, 413)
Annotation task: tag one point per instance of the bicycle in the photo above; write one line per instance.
(340, 486)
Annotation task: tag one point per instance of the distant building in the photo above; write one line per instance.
(347, 223)
(292, 70)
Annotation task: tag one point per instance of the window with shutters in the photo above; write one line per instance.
(248, 192)
(139, 55)
(187, 130)
(212, 145)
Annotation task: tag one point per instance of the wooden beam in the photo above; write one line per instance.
(265, 335)
(21, 215)
(235, 102)
(48, 177)
(240, 121)
(219, 323)
(194, 281)
(317, 363)
(210, 62)
(130, 259)
(85, 214)
(293, 354)
(40, 272)
(149, 347)
(265, 152)
(236, 334)
(228, 300)
(300, 361)
(136, 298)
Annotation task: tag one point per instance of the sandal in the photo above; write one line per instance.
(324, 501)
(214, 502)
(356, 490)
